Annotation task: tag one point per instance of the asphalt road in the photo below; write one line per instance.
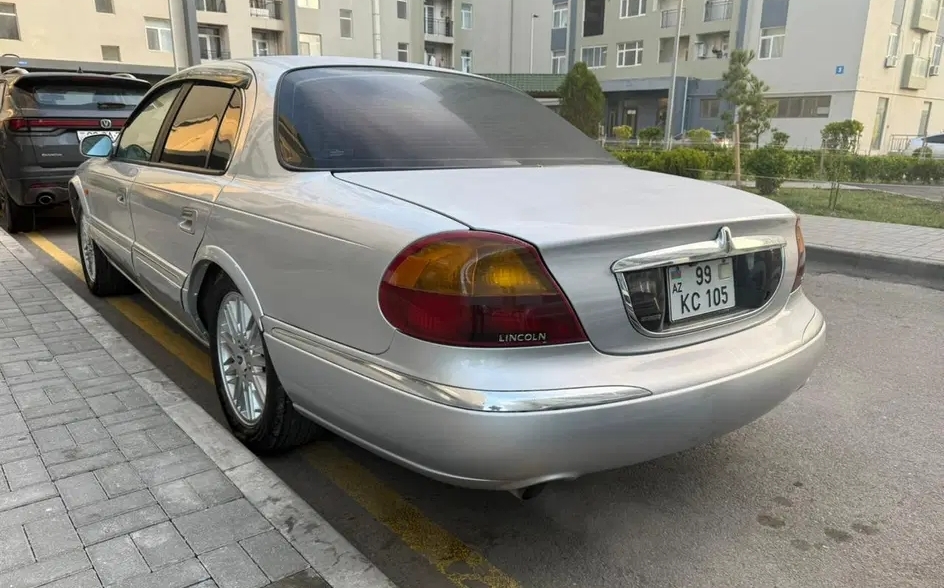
(842, 485)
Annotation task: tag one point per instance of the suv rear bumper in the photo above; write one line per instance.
(27, 191)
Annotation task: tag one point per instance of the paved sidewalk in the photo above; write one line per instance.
(111, 476)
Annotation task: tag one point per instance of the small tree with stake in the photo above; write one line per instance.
(581, 100)
(746, 93)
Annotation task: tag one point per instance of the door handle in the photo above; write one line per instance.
(187, 218)
(122, 196)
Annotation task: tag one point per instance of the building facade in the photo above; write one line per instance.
(877, 61)
(153, 38)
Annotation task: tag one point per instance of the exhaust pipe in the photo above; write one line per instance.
(529, 492)
(45, 199)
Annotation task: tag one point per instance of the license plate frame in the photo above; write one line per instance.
(81, 135)
(700, 288)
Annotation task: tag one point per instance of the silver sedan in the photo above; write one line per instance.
(442, 270)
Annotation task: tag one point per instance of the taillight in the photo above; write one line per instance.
(476, 289)
(801, 257)
(48, 124)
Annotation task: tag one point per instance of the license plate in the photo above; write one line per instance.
(83, 134)
(700, 288)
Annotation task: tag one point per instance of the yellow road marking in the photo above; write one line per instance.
(459, 563)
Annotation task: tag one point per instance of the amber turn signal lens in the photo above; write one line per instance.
(801, 257)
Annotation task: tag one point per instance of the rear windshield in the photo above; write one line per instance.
(81, 96)
(345, 118)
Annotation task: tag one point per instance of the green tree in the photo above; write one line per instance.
(842, 135)
(746, 93)
(581, 100)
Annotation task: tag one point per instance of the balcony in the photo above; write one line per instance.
(670, 18)
(213, 55)
(925, 16)
(266, 9)
(438, 30)
(211, 5)
(914, 74)
(718, 10)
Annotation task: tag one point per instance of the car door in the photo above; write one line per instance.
(108, 182)
(936, 144)
(171, 198)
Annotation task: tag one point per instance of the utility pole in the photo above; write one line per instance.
(675, 59)
(173, 37)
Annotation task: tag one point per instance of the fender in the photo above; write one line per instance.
(76, 191)
(211, 254)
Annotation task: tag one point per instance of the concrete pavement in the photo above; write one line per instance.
(902, 253)
(111, 476)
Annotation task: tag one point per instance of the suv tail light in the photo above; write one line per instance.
(801, 257)
(48, 124)
(476, 289)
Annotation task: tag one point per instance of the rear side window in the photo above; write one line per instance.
(93, 97)
(226, 136)
(194, 128)
(340, 118)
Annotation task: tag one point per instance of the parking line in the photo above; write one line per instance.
(459, 563)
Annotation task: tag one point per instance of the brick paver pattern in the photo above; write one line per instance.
(98, 486)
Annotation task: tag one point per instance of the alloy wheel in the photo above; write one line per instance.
(242, 359)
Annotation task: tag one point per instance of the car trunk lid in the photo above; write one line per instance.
(583, 219)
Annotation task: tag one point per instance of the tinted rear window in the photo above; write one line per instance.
(383, 118)
(78, 96)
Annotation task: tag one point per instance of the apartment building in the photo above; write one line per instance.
(877, 61)
(153, 38)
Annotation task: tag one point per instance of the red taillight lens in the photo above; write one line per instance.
(48, 124)
(801, 257)
(476, 289)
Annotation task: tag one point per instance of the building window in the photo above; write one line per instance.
(561, 16)
(111, 53)
(316, 4)
(263, 44)
(800, 107)
(210, 40)
(466, 61)
(211, 5)
(9, 27)
(105, 6)
(771, 43)
(923, 121)
(347, 23)
(559, 62)
(710, 108)
(159, 35)
(594, 56)
(630, 8)
(309, 44)
(628, 54)
(893, 39)
(465, 16)
(401, 9)
(403, 52)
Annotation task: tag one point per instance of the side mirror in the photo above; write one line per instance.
(96, 146)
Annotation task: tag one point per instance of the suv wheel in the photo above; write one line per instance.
(16, 218)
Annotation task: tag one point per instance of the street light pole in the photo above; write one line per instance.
(675, 58)
(531, 52)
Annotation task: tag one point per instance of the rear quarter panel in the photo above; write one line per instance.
(314, 249)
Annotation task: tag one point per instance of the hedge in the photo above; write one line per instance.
(715, 163)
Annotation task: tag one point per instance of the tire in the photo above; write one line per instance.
(101, 277)
(16, 218)
(274, 427)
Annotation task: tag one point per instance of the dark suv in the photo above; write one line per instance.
(43, 118)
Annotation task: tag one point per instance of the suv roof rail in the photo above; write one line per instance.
(16, 70)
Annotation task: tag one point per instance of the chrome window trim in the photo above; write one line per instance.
(724, 245)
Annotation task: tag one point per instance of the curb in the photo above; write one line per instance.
(328, 553)
(862, 264)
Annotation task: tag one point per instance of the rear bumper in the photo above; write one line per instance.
(27, 190)
(485, 449)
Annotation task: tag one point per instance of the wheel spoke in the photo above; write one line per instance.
(240, 353)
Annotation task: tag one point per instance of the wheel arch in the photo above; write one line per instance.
(77, 198)
(209, 262)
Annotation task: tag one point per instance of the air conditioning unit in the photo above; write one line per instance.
(934, 70)
(891, 61)
(701, 50)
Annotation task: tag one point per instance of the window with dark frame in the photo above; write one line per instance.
(403, 52)
(9, 24)
(401, 9)
(106, 6)
(710, 108)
